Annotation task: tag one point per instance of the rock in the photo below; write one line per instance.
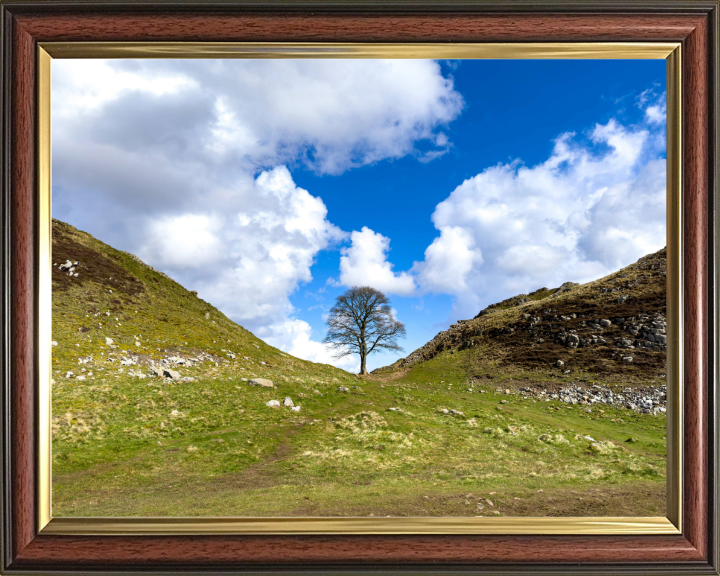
(187, 379)
(207, 315)
(80, 378)
(174, 374)
(443, 410)
(176, 414)
(456, 413)
(156, 371)
(605, 323)
(627, 358)
(273, 404)
(295, 408)
(264, 382)
(631, 440)
(559, 363)
(343, 389)
(572, 341)
(288, 402)
(566, 287)
(394, 409)
(109, 341)
(53, 343)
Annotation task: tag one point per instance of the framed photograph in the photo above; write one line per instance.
(213, 360)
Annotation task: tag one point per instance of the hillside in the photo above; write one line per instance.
(158, 411)
(611, 328)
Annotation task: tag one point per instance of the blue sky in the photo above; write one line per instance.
(272, 186)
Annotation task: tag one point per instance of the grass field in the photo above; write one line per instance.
(125, 444)
(212, 447)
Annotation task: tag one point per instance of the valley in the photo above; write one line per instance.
(532, 408)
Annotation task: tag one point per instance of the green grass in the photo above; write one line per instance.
(229, 454)
(126, 446)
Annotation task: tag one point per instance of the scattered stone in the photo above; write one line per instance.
(171, 374)
(559, 363)
(605, 323)
(176, 414)
(288, 402)
(264, 382)
(109, 341)
(53, 343)
(273, 404)
(343, 389)
(295, 408)
(627, 358)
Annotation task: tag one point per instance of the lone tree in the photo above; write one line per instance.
(361, 322)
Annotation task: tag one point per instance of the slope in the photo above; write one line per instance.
(612, 329)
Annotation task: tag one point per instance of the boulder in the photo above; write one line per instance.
(264, 382)
(174, 374)
(605, 323)
(572, 341)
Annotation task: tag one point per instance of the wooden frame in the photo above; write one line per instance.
(25, 24)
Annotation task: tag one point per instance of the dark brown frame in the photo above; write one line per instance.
(694, 23)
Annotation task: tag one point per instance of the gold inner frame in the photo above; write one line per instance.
(671, 524)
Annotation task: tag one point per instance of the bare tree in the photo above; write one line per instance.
(361, 322)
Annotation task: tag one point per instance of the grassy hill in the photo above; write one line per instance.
(451, 434)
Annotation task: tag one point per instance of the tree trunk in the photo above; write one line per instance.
(363, 368)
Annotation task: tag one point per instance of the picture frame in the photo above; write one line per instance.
(31, 544)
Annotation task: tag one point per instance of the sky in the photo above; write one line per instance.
(272, 186)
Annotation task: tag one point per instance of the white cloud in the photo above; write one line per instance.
(269, 247)
(594, 205)
(183, 241)
(365, 263)
(329, 114)
(295, 337)
(448, 261)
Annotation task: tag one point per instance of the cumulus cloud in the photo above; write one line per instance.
(295, 337)
(365, 263)
(448, 261)
(260, 254)
(596, 204)
(187, 164)
(329, 114)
